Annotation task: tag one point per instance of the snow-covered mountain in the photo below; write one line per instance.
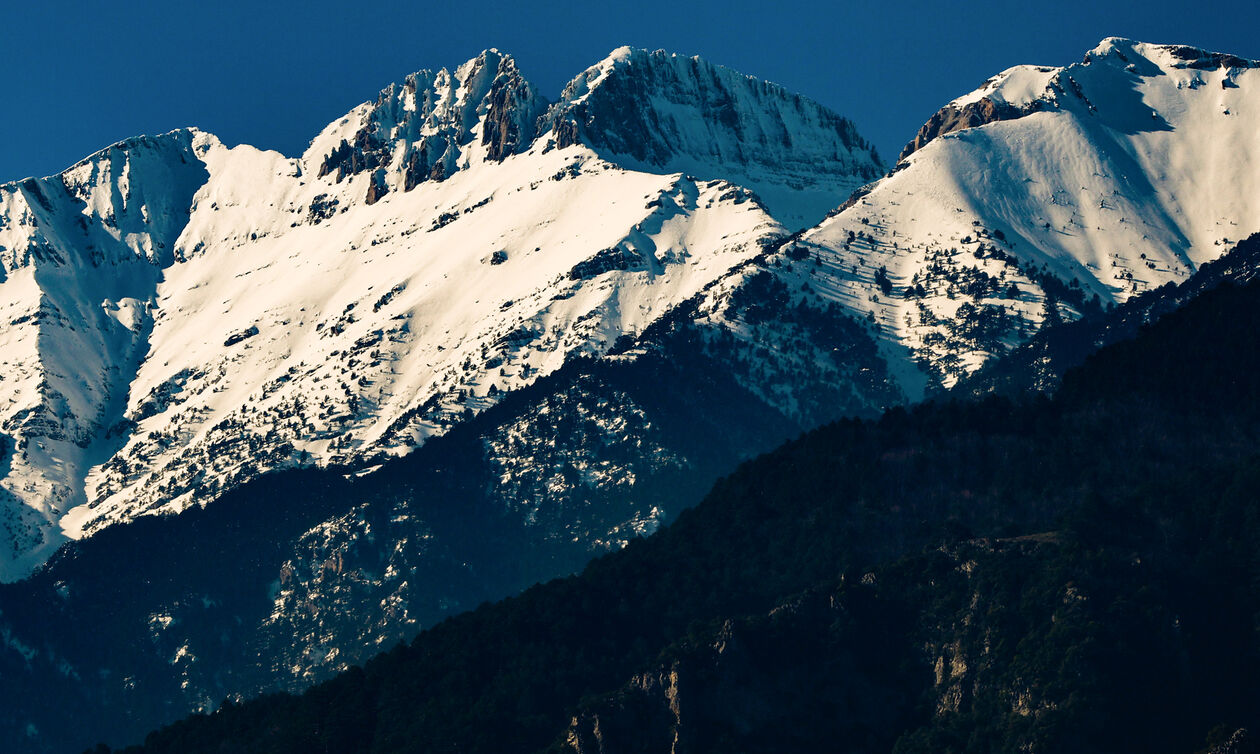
(183, 315)
(1046, 192)
(632, 289)
(81, 256)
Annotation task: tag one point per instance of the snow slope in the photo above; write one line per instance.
(185, 315)
(378, 327)
(79, 262)
(1086, 185)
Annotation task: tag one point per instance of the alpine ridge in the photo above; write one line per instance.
(1049, 192)
(436, 248)
(472, 338)
(668, 113)
(235, 337)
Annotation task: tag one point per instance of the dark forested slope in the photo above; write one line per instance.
(1075, 572)
(298, 574)
(1040, 363)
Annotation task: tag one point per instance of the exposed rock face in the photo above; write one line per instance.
(669, 113)
(376, 189)
(955, 118)
(423, 129)
(511, 109)
(1206, 60)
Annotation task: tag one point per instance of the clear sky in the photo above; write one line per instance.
(81, 75)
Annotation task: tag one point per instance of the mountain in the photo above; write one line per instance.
(477, 376)
(664, 113)
(167, 349)
(1047, 193)
(485, 339)
(1072, 573)
(184, 316)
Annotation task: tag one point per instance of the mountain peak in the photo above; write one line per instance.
(663, 112)
(1025, 89)
(427, 128)
(1110, 45)
(651, 111)
(1083, 184)
(1128, 52)
(490, 60)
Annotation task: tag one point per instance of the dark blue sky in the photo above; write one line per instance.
(79, 76)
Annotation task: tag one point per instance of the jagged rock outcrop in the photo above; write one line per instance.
(968, 115)
(671, 113)
(426, 128)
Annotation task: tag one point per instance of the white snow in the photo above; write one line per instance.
(1017, 86)
(255, 333)
(177, 316)
(1128, 179)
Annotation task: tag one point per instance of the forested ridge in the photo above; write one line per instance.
(1111, 598)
